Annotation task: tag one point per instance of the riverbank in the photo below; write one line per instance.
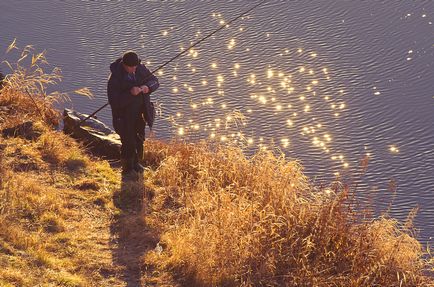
(199, 216)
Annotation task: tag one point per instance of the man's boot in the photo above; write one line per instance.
(128, 171)
(137, 166)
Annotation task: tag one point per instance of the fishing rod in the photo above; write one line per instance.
(183, 52)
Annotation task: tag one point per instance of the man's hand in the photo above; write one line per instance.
(145, 89)
(135, 91)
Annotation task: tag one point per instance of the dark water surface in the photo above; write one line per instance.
(326, 82)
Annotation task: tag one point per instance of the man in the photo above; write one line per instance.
(129, 88)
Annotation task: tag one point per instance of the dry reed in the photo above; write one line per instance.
(226, 220)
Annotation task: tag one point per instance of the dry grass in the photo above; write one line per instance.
(226, 220)
(25, 88)
(46, 223)
(48, 226)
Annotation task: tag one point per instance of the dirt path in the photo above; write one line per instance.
(131, 238)
(113, 245)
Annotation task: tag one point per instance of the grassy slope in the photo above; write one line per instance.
(55, 213)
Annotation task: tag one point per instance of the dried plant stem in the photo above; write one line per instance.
(36, 105)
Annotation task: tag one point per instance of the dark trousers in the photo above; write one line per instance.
(132, 135)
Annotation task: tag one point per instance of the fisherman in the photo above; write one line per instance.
(129, 88)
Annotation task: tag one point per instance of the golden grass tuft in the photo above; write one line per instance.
(24, 92)
(60, 150)
(52, 222)
(227, 220)
(12, 278)
(69, 280)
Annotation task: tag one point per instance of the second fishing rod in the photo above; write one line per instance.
(183, 52)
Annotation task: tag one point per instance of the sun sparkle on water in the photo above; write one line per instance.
(292, 93)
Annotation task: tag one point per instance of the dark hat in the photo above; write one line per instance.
(130, 59)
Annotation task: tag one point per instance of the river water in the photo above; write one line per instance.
(325, 82)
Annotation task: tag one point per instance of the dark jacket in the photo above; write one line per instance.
(124, 105)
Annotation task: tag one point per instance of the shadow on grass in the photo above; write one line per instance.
(132, 238)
